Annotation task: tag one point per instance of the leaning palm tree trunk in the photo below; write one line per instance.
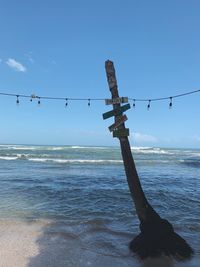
(157, 236)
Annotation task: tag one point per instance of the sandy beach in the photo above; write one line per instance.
(25, 244)
(18, 242)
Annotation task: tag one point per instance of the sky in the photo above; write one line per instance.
(58, 48)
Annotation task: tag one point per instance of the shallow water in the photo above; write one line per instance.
(82, 192)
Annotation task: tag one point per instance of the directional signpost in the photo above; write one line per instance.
(157, 235)
(118, 127)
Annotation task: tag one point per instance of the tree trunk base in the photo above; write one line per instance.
(158, 238)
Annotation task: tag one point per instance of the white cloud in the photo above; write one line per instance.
(143, 138)
(12, 63)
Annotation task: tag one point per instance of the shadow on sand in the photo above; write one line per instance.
(60, 247)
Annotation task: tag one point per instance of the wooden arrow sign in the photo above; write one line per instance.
(121, 132)
(116, 100)
(119, 121)
(116, 112)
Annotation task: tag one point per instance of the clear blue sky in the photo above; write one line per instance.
(58, 48)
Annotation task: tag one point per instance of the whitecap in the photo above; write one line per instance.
(94, 161)
(8, 158)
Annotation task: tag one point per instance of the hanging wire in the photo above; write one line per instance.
(164, 98)
(51, 98)
(149, 100)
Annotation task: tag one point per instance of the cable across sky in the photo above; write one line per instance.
(149, 100)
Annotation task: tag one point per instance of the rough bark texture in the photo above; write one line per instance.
(157, 235)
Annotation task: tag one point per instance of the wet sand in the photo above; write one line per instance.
(28, 244)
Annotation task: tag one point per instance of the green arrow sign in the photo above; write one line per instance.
(116, 112)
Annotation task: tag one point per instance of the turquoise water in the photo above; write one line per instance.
(84, 190)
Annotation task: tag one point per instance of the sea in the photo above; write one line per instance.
(82, 192)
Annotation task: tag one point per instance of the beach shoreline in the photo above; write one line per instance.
(70, 206)
(34, 244)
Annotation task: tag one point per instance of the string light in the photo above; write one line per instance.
(133, 103)
(33, 97)
(17, 101)
(165, 98)
(148, 100)
(170, 104)
(39, 102)
(149, 105)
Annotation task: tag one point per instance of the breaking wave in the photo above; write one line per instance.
(59, 160)
(151, 150)
(89, 161)
(191, 162)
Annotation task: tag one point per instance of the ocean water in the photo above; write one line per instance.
(83, 194)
